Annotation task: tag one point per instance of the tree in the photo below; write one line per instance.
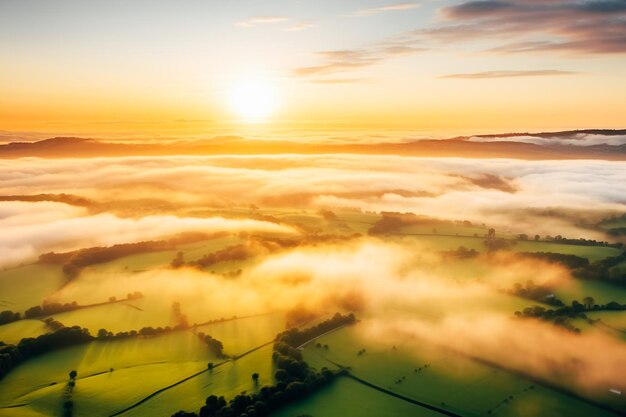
(578, 307)
(255, 378)
(73, 374)
(589, 302)
(179, 260)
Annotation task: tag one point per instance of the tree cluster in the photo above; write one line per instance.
(296, 337)
(295, 379)
(495, 244)
(562, 316)
(570, 261)
(8, 316)
(391, 222)
(181, 319)
(143, 332)
(13, 355)
(574, 241)
(601, 270)
(74, 262)
(214, 345)
(48, 309)
(535, 292)
(460, 253)
(230, 253)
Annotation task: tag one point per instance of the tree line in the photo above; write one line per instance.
(51, 308)
(601, 270)
(295, 379)
(562, 314)
(29, 347)
(12, 355)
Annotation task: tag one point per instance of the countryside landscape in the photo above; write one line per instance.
(341, 209)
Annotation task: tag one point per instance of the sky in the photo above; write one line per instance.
(208, 66)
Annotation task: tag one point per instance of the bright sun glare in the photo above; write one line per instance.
(253, 99)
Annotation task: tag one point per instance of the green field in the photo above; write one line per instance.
(228, 380)
(41, 281)
(239, 336)
(449, 381)
(16, 331)
(615, 319)
(348, 398)
(147, 261)
(156, 362)
(144, 366)
(601, 292)
(593, 253)
(122, 316)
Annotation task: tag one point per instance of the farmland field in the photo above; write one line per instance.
(108, 370)
(444, 378)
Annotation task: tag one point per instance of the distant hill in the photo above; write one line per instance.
(563, 133)
(501, 146)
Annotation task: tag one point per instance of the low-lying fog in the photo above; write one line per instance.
(127, 197)
(404, 292)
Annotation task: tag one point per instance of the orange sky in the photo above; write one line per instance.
(445, 66)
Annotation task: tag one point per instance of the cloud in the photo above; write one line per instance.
(584, 27)
(587, 27)
(340, 80)
(300, 26)
(506, 194)
(340, 60)
(402, 292)
(351, 59)
(579, 139)
(29, 229)
(508, 74)
(389, 8)
(261, 20)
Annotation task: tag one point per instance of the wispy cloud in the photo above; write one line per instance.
(340, 80)
(388, 8)
(300, 26)
(339, 60)
(261, 20)
(583, 27)
(349, 59)
(507, 74)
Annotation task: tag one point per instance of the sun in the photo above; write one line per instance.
(253, 99)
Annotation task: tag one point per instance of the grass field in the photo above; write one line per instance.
(615, 319)
(41, 281)
(16, 331)
(146, 261)
(228, 380)
(450, 381)
(143, 366)
(109, 392)
(241, 335)
(37, 381)
(593, 253)
(122, 316)
(602, 293)
(347, 398)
